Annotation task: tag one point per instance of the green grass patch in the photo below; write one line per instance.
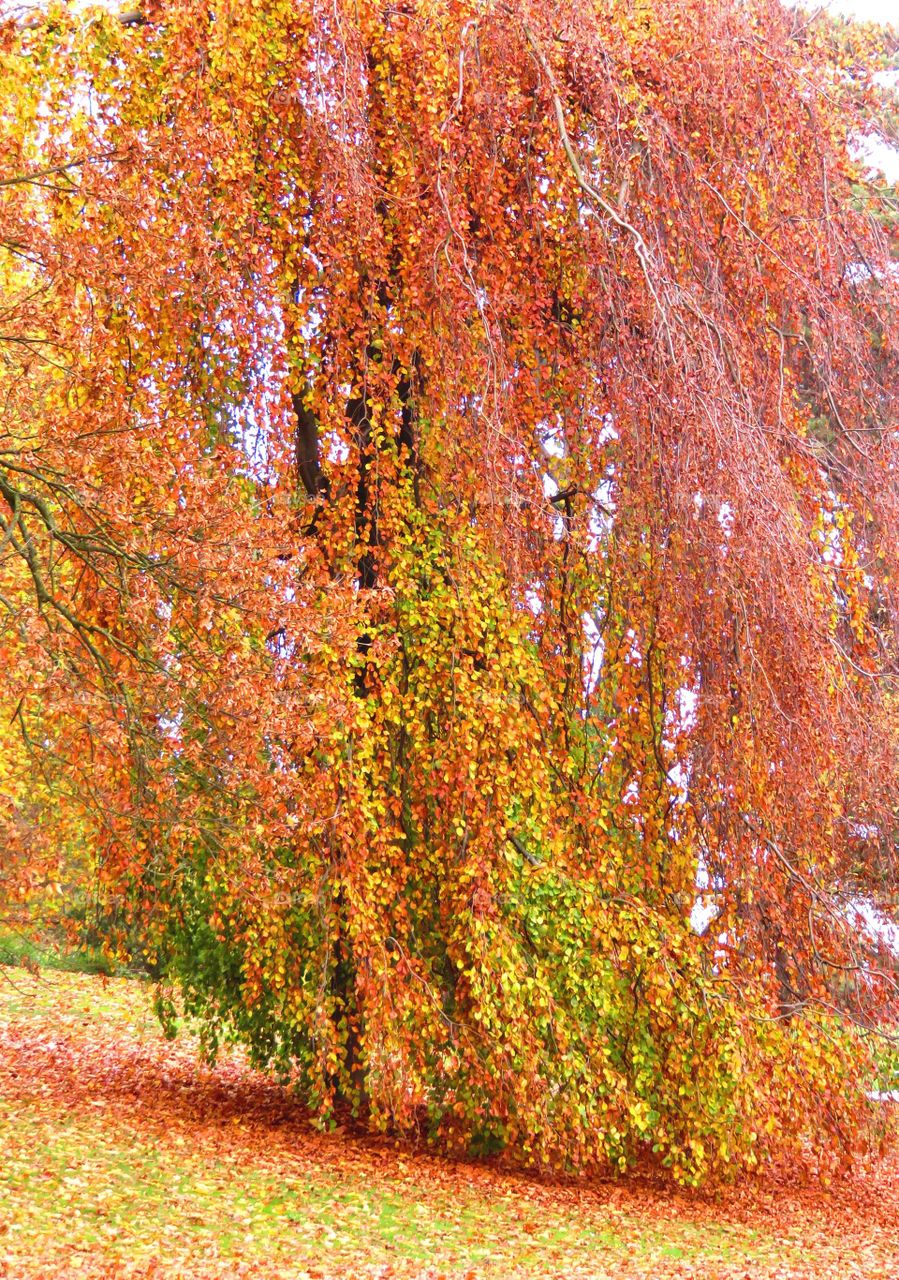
(96, 1186)
(33, 951)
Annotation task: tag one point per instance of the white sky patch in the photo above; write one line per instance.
(170, 726)
(338, 449)
(553, 442)
(686, 700)
(875, 924)
(594, 650)
(865, 10)
(609, 431)
(703, 913)
(533, 601)
(879, 155)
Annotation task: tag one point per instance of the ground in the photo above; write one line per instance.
(122, 1156)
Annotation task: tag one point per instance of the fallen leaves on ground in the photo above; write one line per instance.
(124, 1156)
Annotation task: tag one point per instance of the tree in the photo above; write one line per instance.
(459, 524)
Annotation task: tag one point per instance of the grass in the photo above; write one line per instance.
(30, 952)
(134, 1199)
(122, 1155)
(130, 1198)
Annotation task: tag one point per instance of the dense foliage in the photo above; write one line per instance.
(450, 521)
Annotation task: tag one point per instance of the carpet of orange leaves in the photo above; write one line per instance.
(122, 1156)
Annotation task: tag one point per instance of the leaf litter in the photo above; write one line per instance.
(125, 1156)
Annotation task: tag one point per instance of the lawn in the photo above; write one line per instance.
(122, 1155)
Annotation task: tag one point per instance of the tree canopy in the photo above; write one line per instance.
(449, 523)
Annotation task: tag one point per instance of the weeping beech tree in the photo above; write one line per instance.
(449, 523)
